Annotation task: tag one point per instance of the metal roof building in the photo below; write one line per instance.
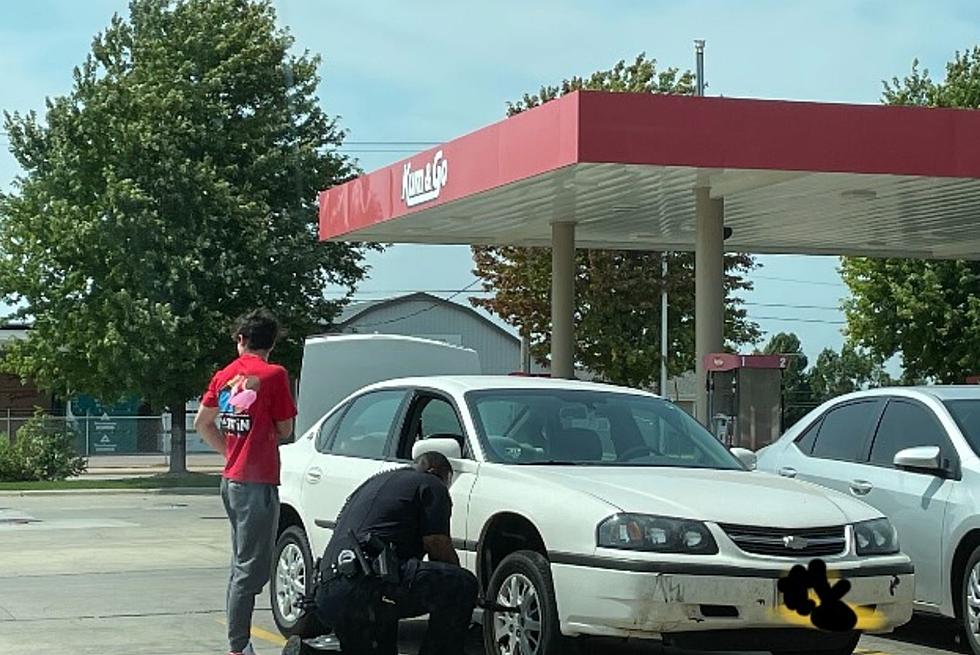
(429, 317)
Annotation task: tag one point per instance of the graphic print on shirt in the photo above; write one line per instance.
(234, 399)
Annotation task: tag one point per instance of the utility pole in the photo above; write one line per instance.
(699, 66)
(664, 340)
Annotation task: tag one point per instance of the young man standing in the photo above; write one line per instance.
(251, 400)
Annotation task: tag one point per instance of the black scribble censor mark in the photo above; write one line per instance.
(831, 613)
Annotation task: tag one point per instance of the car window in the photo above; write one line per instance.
(905, 425)
(364, 429)
(439, 418)
(844, 431)
(540, 426)
(326, 430)
(966, 413)
(805, 441)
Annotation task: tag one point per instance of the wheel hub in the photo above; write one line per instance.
(290, 582)
(518, 633)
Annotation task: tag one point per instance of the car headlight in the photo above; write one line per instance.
(875, 537)
(657, 534)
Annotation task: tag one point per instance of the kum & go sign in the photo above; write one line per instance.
(421, 185)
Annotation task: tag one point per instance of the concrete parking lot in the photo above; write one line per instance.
(144, 574)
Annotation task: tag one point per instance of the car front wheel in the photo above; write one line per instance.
(292, 579)
(970, 601)
(523, 580)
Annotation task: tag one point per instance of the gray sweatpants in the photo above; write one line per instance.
(253, 510)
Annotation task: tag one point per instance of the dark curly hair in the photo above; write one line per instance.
(259, 328)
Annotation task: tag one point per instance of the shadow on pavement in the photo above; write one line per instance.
(930, 632)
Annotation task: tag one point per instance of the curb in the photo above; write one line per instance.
(162, 491)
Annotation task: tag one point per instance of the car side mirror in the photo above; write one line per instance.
(447, 446)
(747, 457)
(920, 458)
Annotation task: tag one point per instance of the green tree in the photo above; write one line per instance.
(926, 311)
(797, 395)
(172, 189)
(834, 374)
(617, 313)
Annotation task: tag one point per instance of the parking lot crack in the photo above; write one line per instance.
(127, 615)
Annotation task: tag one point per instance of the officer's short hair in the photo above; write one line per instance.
(433, 461)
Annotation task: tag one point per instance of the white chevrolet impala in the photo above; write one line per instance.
(597, 510)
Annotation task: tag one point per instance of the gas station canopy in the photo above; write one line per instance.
(796, 177)
(657, 172)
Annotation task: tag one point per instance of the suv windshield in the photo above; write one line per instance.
(966, 413)
(541, 426)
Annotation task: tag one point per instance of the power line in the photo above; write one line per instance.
(791, 306)
(796, 280)
(382, 292)
(796, 320)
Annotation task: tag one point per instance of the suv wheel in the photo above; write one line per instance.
(970, 601)
(292, 579)
(523, 579)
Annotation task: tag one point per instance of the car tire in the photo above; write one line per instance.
(846, 649)
(292, 565)
(969, 602)
(523, 578)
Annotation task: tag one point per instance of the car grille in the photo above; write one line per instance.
(787, 542)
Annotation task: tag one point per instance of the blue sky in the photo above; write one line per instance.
(432, 70)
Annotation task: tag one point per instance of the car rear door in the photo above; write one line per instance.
(351, 449)
(832, 451)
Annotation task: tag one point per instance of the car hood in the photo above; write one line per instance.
(739, 497)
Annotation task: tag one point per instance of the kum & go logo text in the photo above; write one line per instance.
(424, 184)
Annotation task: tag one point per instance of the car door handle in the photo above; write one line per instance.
(861, 487)
(314, 474)
(788, 472)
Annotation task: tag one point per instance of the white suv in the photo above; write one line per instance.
(599, 511)
(912, 454)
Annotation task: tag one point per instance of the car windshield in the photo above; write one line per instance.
(543, 426)
(966, 413)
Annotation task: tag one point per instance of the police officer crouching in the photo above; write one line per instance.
(372, 573)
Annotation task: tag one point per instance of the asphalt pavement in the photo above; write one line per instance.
(145, 574)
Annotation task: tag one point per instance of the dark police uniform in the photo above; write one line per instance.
(399, 507)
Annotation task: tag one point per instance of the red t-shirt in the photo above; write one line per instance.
(251, 396)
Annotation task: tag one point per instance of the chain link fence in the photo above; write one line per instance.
(108, 435)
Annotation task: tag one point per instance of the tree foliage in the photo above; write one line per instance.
(832, 374)
(172, 189)
(797, 395)
(926, 311)
(617, 312)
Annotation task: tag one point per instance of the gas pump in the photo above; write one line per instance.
(745, 398)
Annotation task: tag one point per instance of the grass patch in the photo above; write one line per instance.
(164, 481)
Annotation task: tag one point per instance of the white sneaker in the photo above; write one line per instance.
(248, 650)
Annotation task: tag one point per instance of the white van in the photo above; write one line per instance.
(335, 366)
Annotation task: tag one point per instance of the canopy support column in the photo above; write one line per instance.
(563, 300)
(709, 290)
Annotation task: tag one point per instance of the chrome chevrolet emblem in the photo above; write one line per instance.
(795, 543)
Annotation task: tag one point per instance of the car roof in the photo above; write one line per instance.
(951, 391)
(939, 392)
(460, 384)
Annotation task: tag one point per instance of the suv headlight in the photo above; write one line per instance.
(657, 534)
(875, 537)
